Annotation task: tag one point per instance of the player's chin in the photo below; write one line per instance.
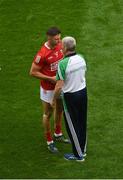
(57, 42)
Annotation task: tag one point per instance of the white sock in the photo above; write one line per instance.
(49, 142)
(57, 135)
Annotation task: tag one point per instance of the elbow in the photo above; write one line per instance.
(31, 73)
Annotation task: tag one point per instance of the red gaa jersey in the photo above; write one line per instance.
(48, 60)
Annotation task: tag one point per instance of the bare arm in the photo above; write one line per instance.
(57, 91)
(35, 71)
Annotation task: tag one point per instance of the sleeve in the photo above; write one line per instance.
(61, 72)
(57, 76)
(39, 58)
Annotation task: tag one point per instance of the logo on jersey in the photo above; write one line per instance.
(51, 57)
(54, 66)
(56, 53)
(37, 60)
(61, 51)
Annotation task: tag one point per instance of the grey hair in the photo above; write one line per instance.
(69, 43)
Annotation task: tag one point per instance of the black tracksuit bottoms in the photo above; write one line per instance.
(75, 114)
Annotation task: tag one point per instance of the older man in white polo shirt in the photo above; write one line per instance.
(71, 81)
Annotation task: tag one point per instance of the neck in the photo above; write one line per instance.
(69, 52)
(50, 45)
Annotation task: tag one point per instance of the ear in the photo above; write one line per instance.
(64, 49)
(48, 37)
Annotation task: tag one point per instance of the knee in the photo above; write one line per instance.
(46, 116)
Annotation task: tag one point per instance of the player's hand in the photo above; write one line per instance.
(53, 79)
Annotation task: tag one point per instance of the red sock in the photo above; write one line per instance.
(49, 136)
(58, 129)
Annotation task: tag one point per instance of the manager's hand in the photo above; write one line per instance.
(53, 102)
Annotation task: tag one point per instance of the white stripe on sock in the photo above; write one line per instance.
(74, 136)
(49, 142)
(57, 135)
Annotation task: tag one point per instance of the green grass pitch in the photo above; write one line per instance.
(98, 27)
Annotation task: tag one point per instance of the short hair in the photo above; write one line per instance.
(52, 31)
(69, 43)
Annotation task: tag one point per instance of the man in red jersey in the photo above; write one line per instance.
(44, 67)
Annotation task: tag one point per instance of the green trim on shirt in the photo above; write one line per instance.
(62, 65)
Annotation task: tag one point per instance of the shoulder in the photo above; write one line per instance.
(81, 55)
(40, 56)
(63, 63)
(43, 48)
(64, 60)
(82, 58)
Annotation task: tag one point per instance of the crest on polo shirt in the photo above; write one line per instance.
(37, 59)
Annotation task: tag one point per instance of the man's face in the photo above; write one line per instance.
(54, 40)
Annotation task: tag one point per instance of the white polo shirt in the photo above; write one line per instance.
(72, 70)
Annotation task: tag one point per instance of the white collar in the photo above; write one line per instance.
(46, 45)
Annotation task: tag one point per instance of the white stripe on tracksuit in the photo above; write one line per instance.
(74, 136)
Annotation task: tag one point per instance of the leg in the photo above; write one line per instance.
(58, 117)
(58, 111)
(46, 97)
(46, 122)
(83, 122)
(47, 112)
